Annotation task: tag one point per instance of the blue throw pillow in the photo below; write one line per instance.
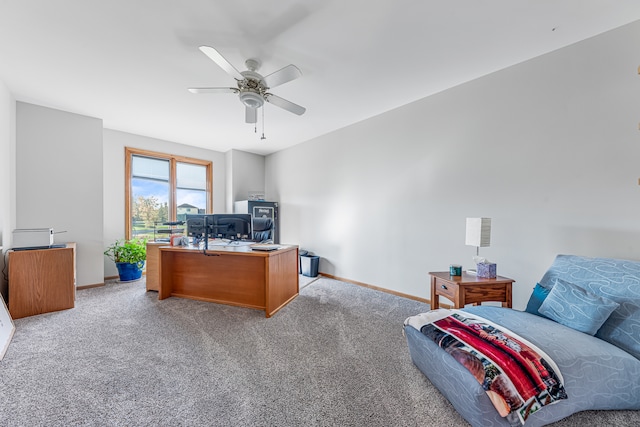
(577, 308)
(536, 299)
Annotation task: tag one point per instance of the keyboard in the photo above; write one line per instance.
(265, 247)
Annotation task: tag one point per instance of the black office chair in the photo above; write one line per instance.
(263, 230)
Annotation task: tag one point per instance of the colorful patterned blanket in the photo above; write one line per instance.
(518, 377)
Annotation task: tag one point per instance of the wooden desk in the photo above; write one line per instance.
(152, 270)
(41, 280)
(469, 289)
(234, 275)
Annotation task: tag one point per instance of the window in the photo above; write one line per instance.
(163, 188)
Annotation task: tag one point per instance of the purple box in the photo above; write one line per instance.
(486, 270)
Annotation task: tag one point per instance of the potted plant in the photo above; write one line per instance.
(129, 256)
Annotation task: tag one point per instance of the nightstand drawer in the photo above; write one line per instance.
(447, 290)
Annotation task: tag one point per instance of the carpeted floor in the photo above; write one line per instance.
(304, 281)
(335, 356)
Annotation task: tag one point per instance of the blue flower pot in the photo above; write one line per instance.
(128, 271)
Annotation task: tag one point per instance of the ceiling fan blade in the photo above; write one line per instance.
(283, 103)
(250, 115)
(283, 75)
(212, 90)
(222, 62)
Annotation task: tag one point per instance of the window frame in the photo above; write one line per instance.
(173, 160)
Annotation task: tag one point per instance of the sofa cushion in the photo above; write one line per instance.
(616, 279)
(538, 295)
(577, 308)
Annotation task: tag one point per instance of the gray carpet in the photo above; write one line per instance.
(335, 356)
(304, 281)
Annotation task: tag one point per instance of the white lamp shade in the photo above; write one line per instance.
(478, 232)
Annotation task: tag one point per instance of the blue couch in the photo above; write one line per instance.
(589, 326)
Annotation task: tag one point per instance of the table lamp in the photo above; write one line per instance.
(478, 234)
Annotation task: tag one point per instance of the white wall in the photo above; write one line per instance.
(7, 175)
(245, 173)
(114, 182)
(549, 149)
(59, 181)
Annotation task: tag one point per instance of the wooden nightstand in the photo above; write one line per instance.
(469, 289)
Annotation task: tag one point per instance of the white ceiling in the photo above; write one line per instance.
(129, 62)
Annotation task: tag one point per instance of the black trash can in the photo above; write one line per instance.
(309, 265)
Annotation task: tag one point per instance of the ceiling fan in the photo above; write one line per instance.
(253, 88)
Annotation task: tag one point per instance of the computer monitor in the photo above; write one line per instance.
(232, 226)
(196, 226)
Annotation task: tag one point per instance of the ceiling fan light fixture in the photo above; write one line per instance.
(252, 86)
(251, 99)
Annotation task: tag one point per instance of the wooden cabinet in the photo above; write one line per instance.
(41, 281)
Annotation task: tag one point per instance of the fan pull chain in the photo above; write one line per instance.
(263, 137)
